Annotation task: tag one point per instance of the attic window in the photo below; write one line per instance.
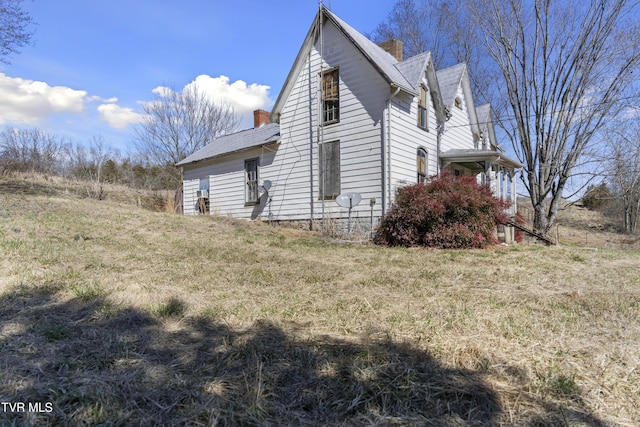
(330, 97)
(458, 102)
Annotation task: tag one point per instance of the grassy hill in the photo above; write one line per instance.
(112, 314)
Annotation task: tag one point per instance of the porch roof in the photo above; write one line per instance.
(472, 159)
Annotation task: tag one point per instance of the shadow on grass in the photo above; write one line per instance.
(96, 364)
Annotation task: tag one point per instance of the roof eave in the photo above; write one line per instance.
(480, 156)
(391, 81)
(227, 153)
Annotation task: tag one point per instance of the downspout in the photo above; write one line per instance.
(311, 140)
(386, 154)
(440, 131)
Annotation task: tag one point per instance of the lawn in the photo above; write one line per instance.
(111, 314)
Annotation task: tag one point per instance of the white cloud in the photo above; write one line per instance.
(162, 91)
(244, 98)
(118, 117)
(29, 102)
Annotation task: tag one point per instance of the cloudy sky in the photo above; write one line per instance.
(93, 63)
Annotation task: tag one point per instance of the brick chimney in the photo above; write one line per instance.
(394, 47)
(260, 118)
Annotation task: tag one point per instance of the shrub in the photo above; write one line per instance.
(447, 212)
(520, 220)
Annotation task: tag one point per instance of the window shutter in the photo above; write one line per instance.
(329, 184)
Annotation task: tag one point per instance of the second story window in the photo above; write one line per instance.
(330, 97)
(423, 108)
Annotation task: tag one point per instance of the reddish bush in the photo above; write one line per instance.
(447, 212)
(520, 220)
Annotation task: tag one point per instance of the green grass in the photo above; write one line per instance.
(155, 319)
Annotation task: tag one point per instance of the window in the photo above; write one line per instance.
(330, 97)
(422, 165)
(203, 196)
(251, 179)
(423, 108)
(329, 157)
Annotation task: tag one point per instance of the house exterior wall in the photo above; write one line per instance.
(457, 130)
(404, 140)
(292, 169)
(189, 198)
(227, 184)
(375, 121)
(362, 94)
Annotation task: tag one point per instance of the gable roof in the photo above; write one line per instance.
(413, 68)
(485, 121)
(404, 75)
(235, 142)
(450, 79)
(382, 60)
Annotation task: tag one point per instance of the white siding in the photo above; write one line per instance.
(362, 100)
(189, 197)
(457, 130)
(405, 139)
(227, 182)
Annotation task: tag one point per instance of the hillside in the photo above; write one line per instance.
(114, 314)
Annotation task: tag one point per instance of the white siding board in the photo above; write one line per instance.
(458, 133)
(362, 93)
(189, 196)
(406, 138)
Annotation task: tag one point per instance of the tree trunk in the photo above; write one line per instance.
(540, 220)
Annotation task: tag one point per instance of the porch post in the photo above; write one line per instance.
(504, 184)
(514, 196)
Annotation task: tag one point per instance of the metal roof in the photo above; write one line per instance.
(235, 142)
(466, 156)
(449, 80)
(380, 58)
(413, 68)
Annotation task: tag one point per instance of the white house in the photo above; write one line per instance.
(352, 117)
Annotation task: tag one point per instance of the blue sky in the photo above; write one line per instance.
(93, 63)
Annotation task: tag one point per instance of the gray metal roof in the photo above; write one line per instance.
(380, 58)
(413, 68)
(449, 80)
(235, 142)
(468, 155)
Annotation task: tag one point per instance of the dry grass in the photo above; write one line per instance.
(118, 315)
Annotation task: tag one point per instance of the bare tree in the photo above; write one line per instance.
(177, 123)
(30, 150)
(555, 73)
(85, 161)
(429, 25)
(14, 33)
(623, 172)
(565, 67)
